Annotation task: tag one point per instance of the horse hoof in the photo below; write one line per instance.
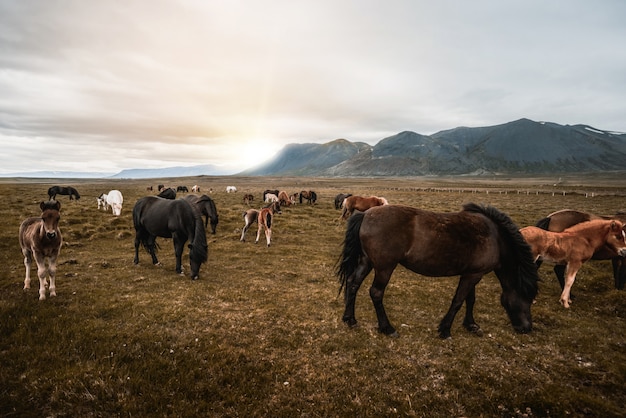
(394, 335)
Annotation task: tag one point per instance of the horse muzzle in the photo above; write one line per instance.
(51, 235)
(622, 252)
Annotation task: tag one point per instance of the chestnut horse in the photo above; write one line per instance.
(360, 203)
(560, 220)
(469, 243)
(309, 195)
(575, 245)
(284, 199)
(40, 238)
(264, 217)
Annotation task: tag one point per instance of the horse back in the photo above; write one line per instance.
(430, 243)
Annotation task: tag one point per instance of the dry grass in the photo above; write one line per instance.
(260, 334)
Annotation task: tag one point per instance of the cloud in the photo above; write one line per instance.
(128, 81)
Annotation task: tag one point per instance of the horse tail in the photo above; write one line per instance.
(527, 276)
(199, 249)
(544, 223)
(268, 220)
(349, 259)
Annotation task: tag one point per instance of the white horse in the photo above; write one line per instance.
(102, 201)
(230, 189)
(195, 188)
(271, 198)
(115, 200)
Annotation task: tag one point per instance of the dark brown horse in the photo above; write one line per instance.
(360, 203)
(40, 238)
(63, 190)
(469, 243)
(309, 195)
(575, 245)
(560, 220)
(340, 198)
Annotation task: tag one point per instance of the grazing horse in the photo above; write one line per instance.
(206, 206)
(309, 195)
(161, 187)
(575, 245)
(102, 201)
(40, 238)
(182, 189)
(560, 220)
(168, 193)
(263, 217)
(248, 198)
(340, 198)
(157, 217)
(284, 199)
(360, 203)
(149, 188)
(55, 190)
(115, 199)
(268, 191)
(271, 198)
(469, 243)
(231, 189)
(195, 188)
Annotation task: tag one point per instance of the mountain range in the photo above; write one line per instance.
(519, 147)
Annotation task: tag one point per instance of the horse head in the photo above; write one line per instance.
(50, 217)
(616, 239)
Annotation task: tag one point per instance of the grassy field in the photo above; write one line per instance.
(260, 333)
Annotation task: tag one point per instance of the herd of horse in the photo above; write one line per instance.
(378, 236)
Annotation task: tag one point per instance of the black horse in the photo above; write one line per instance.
(206, 206)
(340, 198)
(168, 193)
(66, 191)
(469, 243)
(182, 189)
(157, 217)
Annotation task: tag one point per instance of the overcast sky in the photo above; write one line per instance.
(111, 85)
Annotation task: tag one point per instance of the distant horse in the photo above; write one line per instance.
(575, 245)
(40, 238)
(115, 199)
(264, 219)
(149, 188)
(157, 217)
(195, 188)
(340, 198)
(360, 203)
(161, 187)
(168, 193)
(563, 219)
(274, 192)
(469, 243)
(309, 195)
(102, 201)
(231, 189)
(284, 199)
(206, 206)
(68, 190)
(248, 198)
(271, 198)
(182, 189)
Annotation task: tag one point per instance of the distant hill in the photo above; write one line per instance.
(520, 147)
(196, 170)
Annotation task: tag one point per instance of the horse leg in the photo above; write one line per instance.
(619, 272)
(52, 270)
(570, 276)
(137, 243)
(466, 285)
(469, 323)
(258, 232)
(353, 283)
(559, 270)
(377, 292)
(28, 260)
(268, 235)
(41, 273)
(179, 246)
